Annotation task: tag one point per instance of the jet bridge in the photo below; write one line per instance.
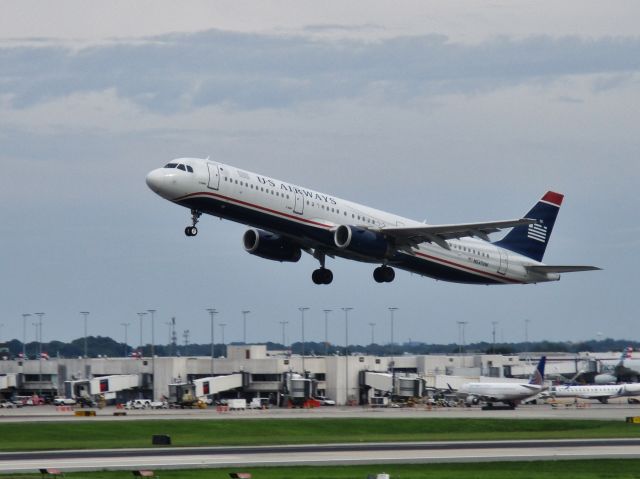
(217, 384)
(107, 386)
(395, 385)
(8, 381)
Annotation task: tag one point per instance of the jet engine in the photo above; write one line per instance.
(605, 379)
(361, 241)
(270, 246)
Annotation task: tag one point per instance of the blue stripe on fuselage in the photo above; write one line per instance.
(309, 236)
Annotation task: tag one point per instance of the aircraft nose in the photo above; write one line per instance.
(154, 180)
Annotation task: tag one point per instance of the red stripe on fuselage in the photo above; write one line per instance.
(504, 279)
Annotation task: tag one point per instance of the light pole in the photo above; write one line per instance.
(493, 334)
(526, 332)
(222, 325)
(346, 353)
(302, 310)
(126, 327)
(392, 310)
(212, 313)
(85, 314)
(326, 331)
(153, 354)
(39, 315)
(373, 325)
(141, 317)
(461, 326)
(283, 324)
(244, 326)
(24, 335)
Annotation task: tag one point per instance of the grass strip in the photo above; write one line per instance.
(85, 434)
(579, 469)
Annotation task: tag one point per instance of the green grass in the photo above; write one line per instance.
(592, 469)
(85, 434)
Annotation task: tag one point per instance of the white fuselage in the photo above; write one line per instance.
(310, 219)
(498, 392)
(595, 391)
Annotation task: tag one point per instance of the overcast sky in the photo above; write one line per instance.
(440, 111)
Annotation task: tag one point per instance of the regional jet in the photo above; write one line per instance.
(507, 393)
(601, 392)
(286, 219)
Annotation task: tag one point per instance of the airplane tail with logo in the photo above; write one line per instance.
(537, 378)
(531, 240)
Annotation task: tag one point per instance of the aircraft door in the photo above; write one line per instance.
(298, 207)
(503, 264)
(214, 176)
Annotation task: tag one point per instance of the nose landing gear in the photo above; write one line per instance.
(192, 230)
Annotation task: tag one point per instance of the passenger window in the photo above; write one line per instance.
(181, 167)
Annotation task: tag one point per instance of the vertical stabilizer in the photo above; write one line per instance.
(531, 240)
(537, 377)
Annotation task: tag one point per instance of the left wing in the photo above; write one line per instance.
(438, 234)
(560, 269)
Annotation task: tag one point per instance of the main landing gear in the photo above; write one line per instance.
(384, 274)
(192, 230)
(321, 275)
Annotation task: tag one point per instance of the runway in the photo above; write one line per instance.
(334, 454)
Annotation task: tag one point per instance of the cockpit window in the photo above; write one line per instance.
(181, 167)
(189, 169)
(171, 165)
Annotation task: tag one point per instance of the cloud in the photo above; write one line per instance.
(181, 72)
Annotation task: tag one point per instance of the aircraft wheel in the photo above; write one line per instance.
(378, 274)
(322, 276)
(389, 274)
(191, 231)
(384, 274)
(316, 276)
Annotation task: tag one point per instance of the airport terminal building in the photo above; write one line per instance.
(250, 371)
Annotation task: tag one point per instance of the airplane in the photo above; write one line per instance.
(601, 392)
(506, 393)
(286, 219)
(627, 368)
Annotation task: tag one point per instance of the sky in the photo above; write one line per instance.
(438, 111)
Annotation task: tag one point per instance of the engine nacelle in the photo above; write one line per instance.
(270, 246)
(605, 378)
(361, 241)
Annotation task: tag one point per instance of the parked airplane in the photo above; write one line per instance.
(600, 392)
(507, 393)
(627, 369)
(286, 219)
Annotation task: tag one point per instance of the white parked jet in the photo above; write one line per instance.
(507, 393)
(627, 369)
(601, 392)
(286, 219)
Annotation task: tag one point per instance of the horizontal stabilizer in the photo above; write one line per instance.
(561, 269)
